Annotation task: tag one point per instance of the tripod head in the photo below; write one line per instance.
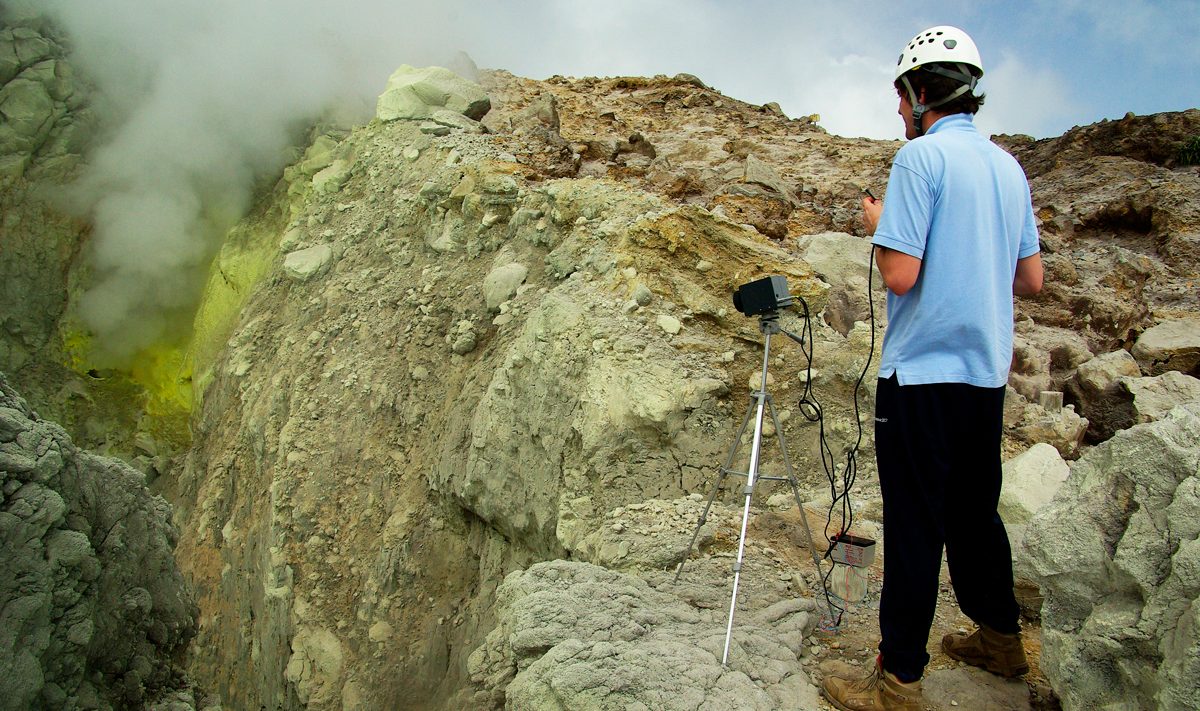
(768, 323)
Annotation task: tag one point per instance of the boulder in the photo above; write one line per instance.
(841, 260)
(501, 284)
(28, 114)
(669, 324)
(1171, 345)
(573, 636)
(417, 94)
(44, 122)
(1029, 422)
(303, 264)
(1030, 372)
(1030, 481)
(455, 120)
(974, 689)
(332, 177)
(1117, 556)
(1152, 399)
(1094, 391)
(761, 173)
(1067, 349)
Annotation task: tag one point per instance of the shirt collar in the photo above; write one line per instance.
(951, 122)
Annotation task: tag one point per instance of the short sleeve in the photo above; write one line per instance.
(1029, 234)
(907, 210)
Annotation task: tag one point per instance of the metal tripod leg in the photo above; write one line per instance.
(761, 403)
(725, 471)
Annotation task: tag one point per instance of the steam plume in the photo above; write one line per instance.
(199, 99)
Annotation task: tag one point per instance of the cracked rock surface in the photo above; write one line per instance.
(95, 611)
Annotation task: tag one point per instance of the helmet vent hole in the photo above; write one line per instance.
(950, 44)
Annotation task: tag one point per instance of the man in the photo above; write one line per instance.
(956, 239)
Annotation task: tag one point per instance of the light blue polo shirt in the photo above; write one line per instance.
(961, 205)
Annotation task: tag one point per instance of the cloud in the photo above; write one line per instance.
(1022, 98)
(854, 97)
(1161, 32)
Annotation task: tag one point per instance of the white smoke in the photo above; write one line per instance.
(199, 99)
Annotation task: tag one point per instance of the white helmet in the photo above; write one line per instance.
(939, 44)
(943, 50)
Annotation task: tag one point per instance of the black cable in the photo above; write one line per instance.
(810, 407)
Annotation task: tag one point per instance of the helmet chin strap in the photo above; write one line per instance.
(964, 75)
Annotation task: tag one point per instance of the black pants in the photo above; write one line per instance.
(938, 450)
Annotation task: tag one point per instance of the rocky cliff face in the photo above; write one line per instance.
(470, 361)
(96, 614)
(469, 345)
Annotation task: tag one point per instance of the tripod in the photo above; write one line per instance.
(760, 404)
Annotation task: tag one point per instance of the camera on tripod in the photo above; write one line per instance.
(762, 296)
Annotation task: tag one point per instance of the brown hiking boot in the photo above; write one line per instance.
(988, 649)
(880, 691)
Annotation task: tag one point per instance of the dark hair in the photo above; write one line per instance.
(937, 86)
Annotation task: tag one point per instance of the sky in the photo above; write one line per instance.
(198, 99)
(1049, 64)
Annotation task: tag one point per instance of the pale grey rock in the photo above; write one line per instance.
(1067, 349)
(1117, 556)
(464, 338)
(332, 177)
(319, 155)
(1094, 390)
(414, 94)
(1030, 372)
(304, 264)
(94, 608)
(432, 128)
(1031, 423)
(972, 689)
(501, 284)
(618, 415)
(539, 118)
(642, 295)
(453, 119)
(316, 667)
(576, 636)
(841, 260)
(669, 324)
(1170, 345)
(29, 114)
(1030, 481)
(1100, 373)
(761, 173)
(1154, 398)
(44, 122)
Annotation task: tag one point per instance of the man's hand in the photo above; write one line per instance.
(872, 209)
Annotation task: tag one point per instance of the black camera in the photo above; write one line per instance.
(762, 296)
